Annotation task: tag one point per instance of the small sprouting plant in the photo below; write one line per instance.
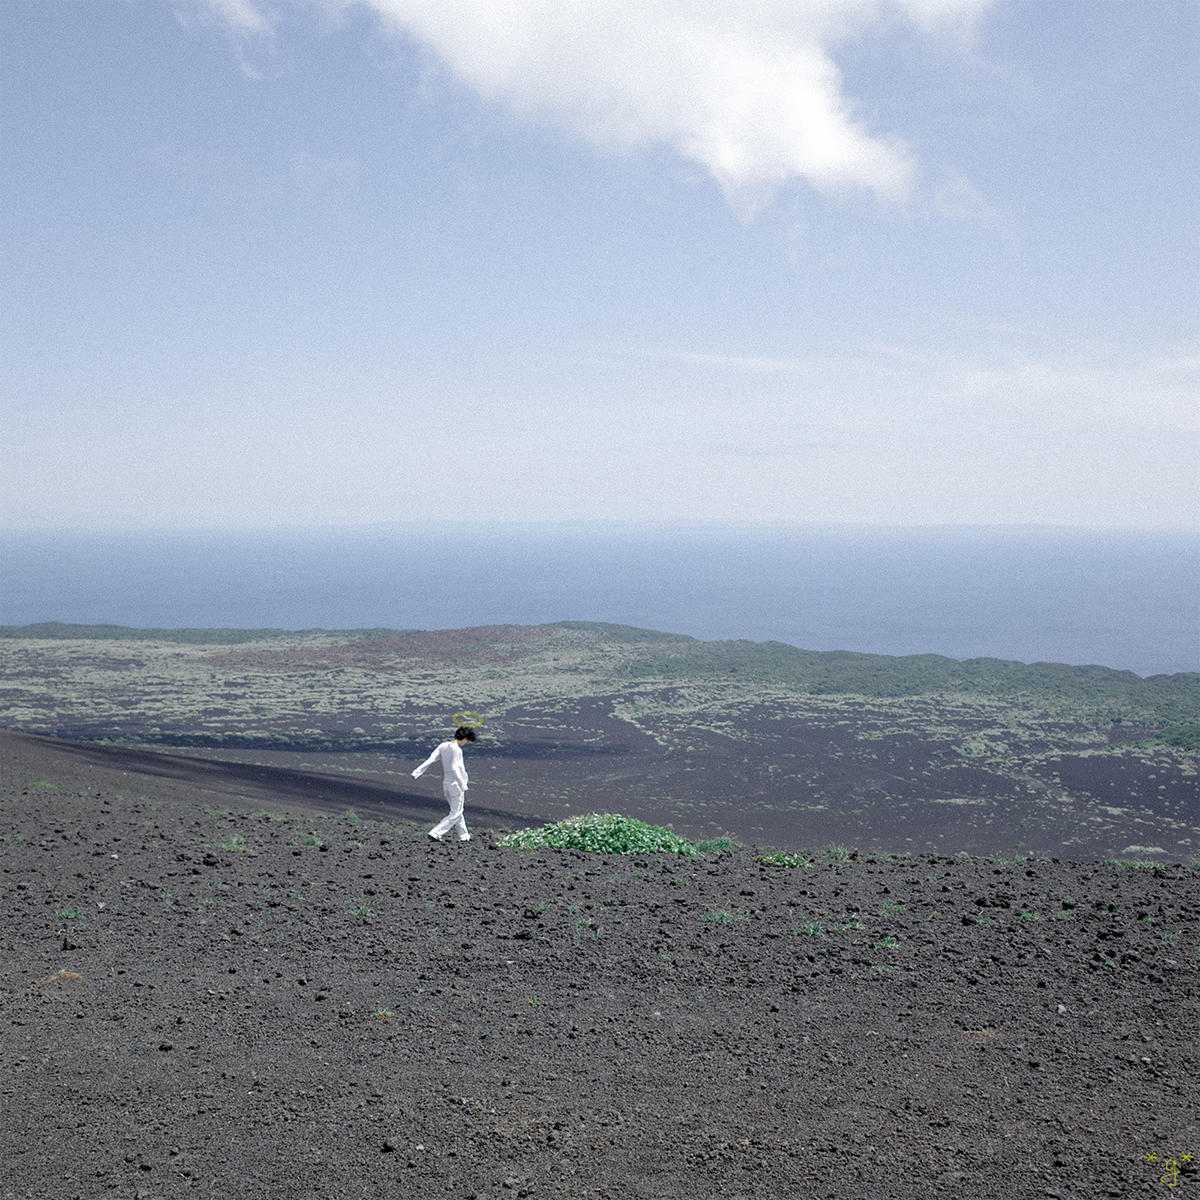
(812, 928)
(69, 914)
(716, 845)
(600, 833)
(384, 1014)
(44, 786)
(1131, 864)
(351, 815)
(782, 858)
(1028, 916)
(314, 839)
(838, 852)
(363, 909)
(719, 915)
(887, 943)
(891, 907)
(233, 843)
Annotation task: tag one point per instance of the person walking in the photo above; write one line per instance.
(454, 783)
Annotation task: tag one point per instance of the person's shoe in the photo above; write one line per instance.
(465, 839)
(434, 837)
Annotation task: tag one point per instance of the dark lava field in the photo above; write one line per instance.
(222, 981)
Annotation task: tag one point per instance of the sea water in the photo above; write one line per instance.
(1129, 600)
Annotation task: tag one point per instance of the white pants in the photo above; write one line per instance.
(455, 794)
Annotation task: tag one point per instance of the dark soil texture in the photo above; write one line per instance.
(210, 991)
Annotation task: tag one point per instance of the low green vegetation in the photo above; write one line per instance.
(782, 858)
(716, 845)
(721, 916)
(600, 833)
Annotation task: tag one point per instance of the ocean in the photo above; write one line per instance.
(1129, 600)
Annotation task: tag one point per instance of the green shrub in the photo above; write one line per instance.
(600, 833)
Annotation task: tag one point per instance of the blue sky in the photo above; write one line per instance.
(298, 262)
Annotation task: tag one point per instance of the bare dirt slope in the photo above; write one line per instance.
(213, 997)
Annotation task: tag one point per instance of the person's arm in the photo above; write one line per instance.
(426, 764)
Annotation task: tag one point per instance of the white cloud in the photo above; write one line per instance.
(246, 17)
(749, 91)
(959, 200)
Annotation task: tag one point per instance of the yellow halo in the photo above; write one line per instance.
(467, 718)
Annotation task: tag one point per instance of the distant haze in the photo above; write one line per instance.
(1125, 600)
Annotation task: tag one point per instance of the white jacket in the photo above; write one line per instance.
(454, 770)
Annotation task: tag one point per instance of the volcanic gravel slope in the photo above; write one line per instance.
(230, 1002)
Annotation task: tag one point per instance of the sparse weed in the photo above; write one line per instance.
(62, 976)
(838, 853)
(234, 843)
(69, 914)
(887, 943)
(721, 916)
(1132, 864)
(716, 845)
(782, 858)
(821, 928)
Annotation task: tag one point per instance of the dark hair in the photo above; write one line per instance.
(464, 733)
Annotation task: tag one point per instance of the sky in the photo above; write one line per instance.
(284, 263)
